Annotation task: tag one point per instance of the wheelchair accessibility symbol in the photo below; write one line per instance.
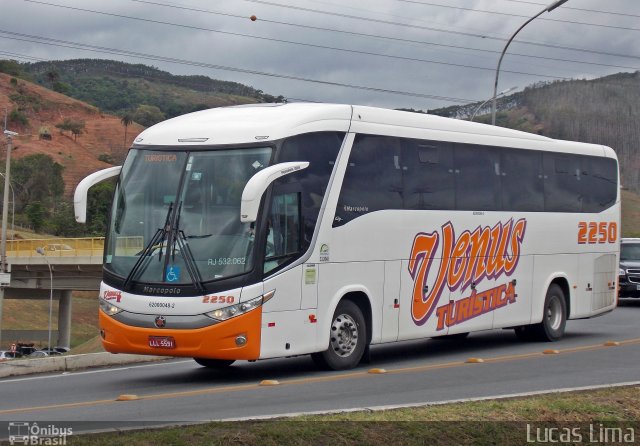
(173, 274)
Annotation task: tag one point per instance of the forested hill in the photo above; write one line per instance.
(121, 88)
(600, 111)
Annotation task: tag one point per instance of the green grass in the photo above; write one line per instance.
(479, 423)
(630, 214)
(27, 314)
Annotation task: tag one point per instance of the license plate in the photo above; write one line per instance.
(638, 287)
(162, 342)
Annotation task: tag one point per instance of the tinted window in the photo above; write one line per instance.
(428, 174)
(477, 170)
(321, 150)
(521, 174)
(562, 183)
(283, 234)
(401, 173)
(600, 185)
(373, 179)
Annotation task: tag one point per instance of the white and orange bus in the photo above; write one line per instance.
(264, 231)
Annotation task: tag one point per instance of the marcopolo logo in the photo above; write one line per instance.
(486, 252)
(34, 434)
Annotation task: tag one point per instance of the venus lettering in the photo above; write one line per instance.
(487, 252)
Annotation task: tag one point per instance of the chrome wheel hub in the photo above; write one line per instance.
(554, 314)
(344, 335)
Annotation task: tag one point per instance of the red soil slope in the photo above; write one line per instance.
(103, 134)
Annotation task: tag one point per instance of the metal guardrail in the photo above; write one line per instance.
(57, 247)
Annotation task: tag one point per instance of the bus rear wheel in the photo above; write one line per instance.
(214, 363)
(554, 319)
(348, 339)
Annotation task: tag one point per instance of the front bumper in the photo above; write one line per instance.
(215, 342)
(628, 289)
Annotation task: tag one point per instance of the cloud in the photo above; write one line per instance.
(203, 39)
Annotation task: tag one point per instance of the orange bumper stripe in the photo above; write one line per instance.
(215, 342)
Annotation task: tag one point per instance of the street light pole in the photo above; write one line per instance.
(5, 201)
(4, 281)
(549, 8)
(40, 251)
(13, 207)
(482, 105)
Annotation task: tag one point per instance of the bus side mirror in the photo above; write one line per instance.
(82, 189)
(257, 184)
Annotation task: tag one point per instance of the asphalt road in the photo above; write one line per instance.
(179, 391)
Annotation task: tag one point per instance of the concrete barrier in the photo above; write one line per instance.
(17, 367)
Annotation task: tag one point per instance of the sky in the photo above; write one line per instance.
(420, 54)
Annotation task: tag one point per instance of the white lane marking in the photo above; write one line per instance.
(89, 372)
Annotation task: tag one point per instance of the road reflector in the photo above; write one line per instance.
(127, 397)
(551, 352)
(611, 344)
(474, 360)
(270, 382)
(377, 371)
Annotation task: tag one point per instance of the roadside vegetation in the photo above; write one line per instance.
(492, 422)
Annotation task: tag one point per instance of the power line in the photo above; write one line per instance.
(93, 48)
(22, 56)
(416, 2)
(427, 28)
(291, 42)
(396, 39)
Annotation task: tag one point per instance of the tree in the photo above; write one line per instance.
(52, 76)
(99, 202)
(75, 126)
(37, 178)
(36, 213)
(148, 115)
(126, 120)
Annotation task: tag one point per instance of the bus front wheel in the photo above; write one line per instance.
(214, 363)
(348, 339)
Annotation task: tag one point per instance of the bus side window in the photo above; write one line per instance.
(373, 179)
(522, 186)
(428, 178)
(283, 230)
(562, 183)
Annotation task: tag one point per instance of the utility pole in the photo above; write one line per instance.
(5, 274)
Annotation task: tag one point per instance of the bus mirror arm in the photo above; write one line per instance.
(258, 184)
(82, 189)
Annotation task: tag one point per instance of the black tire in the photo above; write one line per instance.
(554, 316)
(525, 333)
(214, 363)
(347, 341)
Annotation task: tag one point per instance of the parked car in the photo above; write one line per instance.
(38, 354)
(51, 351)
(629, 279)
(5, 354)
(25, 349)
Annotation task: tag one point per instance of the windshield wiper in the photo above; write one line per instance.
(158, 238)
(178, 239)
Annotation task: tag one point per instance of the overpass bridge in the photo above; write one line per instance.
(76, 264)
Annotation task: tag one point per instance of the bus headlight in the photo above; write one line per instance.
(222, 314)
(109, 308)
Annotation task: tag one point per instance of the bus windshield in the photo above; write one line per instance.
(176, 215)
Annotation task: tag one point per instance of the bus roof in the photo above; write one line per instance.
(268, 122)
